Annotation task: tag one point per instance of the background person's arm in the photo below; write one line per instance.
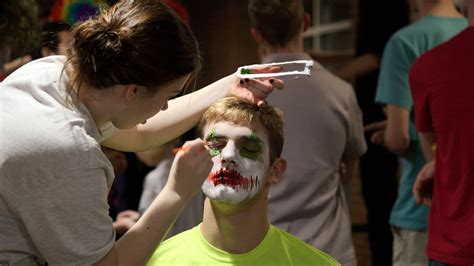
(346, 170)
(424, 184)
(396, 137)
(427, 141)
(359, 66)
(355, 145)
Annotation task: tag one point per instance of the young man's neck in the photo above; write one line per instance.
(442, 8)
(235, 229)
(294, 46)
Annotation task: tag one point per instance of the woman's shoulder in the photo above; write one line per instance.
(60, 141)
(37, 68)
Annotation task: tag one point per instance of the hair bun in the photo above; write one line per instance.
(140, 42)
(112, 35)
(99, 45)
(112, 44)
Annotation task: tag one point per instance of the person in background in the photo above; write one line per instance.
(161, 158)
(56, 38)
(441, 84)
(323, 127)
(125, 192)
(438, 23)
(18, 20)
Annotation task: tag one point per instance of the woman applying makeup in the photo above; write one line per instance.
(121, 70)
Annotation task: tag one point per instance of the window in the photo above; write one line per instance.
(331, 31)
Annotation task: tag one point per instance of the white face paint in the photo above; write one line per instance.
(241, 162)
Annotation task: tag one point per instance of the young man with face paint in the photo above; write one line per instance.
(245, 142)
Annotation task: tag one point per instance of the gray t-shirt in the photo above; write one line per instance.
(323, 124)
(54, 178)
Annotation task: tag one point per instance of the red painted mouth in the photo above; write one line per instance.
(232, 178)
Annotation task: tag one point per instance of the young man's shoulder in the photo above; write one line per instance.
(448, 49)
(176, 248)
(301, 252)
(429, 29)
(433, 64)
(181, 239)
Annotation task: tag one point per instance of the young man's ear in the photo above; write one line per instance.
(256, 35)
(306, 21)
(277, 170)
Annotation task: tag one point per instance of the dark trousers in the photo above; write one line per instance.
(378, 170)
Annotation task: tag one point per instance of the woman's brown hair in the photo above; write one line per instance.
(140, 42)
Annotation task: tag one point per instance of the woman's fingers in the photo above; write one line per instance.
(260, 89)
(256, 90)
(266, 69)
(191, 166)
(277, 83)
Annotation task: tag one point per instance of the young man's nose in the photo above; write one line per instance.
(227, 162)
(229, 153)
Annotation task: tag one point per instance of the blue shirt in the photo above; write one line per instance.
(403, 48)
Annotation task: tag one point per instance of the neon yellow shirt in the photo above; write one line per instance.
(277, 248)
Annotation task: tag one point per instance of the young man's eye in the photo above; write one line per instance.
(252, 147)
(214, 145)
(252, 152)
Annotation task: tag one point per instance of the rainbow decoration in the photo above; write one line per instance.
(72, 11)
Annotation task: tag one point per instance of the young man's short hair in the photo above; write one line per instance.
(278, 21)
(239, 112)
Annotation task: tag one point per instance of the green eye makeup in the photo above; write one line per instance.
(252, 148)
(211, 140)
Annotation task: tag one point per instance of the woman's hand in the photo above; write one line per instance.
(256, 90)
(190, 168)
